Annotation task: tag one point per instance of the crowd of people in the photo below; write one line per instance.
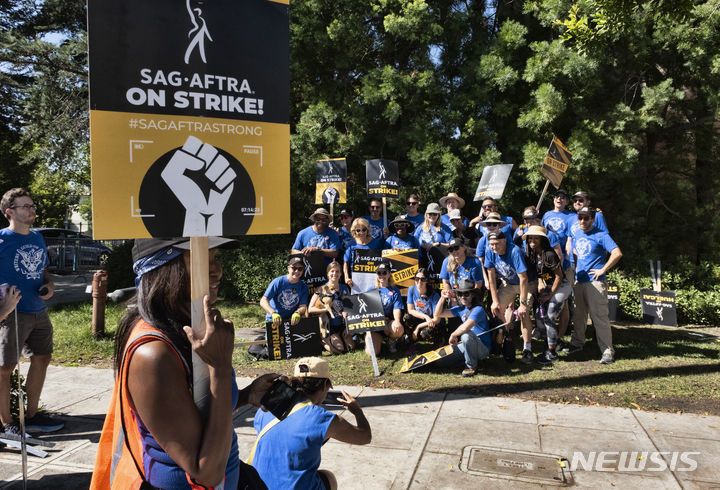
(538, 273)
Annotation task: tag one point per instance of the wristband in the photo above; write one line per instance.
(276, 318)
(295, 317)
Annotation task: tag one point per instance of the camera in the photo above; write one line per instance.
(280, 399)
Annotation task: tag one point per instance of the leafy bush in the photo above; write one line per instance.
(248, 270)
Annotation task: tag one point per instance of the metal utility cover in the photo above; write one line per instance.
(509, 464)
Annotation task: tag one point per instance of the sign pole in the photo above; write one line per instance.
(21, 406)
(199, 287)
(384, 199)
(652, 275)
(659, 277)
(332, 212)
(372, 353)
(542, 196)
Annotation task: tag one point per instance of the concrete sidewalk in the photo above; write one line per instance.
(426, 440)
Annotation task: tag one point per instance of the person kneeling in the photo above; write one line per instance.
(468, 337)
(289, 456)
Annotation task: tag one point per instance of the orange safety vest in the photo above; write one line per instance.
(114, 465)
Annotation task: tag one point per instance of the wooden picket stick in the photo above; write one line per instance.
(659, 277)
(652, 276)
(384, 200)
(372, 351)
(542, 196)
(332, 212)
(199, 287)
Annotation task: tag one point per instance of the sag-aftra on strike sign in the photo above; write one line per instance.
(189, 117)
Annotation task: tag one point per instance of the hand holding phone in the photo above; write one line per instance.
(280, 399)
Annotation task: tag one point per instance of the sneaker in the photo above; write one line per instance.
(467, 372)
(13, 429)
(571, 349)
(561, 344)
(41, 422)
(607, 358)
(527, 357)
(547, 357)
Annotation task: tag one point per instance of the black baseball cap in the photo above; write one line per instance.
(148, 246)
(346, 212)
(496, 235)
(383, 266)
(588, 211)
(561, 191)
(456, 242)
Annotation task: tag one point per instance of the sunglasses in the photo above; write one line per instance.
(493, 225)
(382, 273)
(412, 203)
(361, 230)
(584, 218)
(433, 214)
(453, 249)
(464, 294)
(345, 216)
(488, 206)
(421, 279)
(297, 268)
(322, 219)
(561, 197)
(374, 207)
(579, 200)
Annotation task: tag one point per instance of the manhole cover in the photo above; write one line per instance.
(509, 464)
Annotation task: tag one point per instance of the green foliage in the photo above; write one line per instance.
(248, 270)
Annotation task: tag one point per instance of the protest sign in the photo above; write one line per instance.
(315, 272)
(433, 262)
(364, 264)
(613, 294)
(330, 181)
(658, 307)
(424, 359)
(404, 265)
(493, 181)
(287, 341)
(557, 160)
(382, 178)
(189, 117)
(365, 312)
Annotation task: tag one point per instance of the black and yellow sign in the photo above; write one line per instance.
(287, 341)
(556, 162)
(613, 294)
(493, 181)
(315, 273)
(658, 307)
(331, 181)
(404, 265)
(382, 178)
(189, 117)
(433, 262)
(421, 360)
(365, 312)
(364, 264)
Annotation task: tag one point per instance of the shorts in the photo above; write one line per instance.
(35, 332)
(506, 293)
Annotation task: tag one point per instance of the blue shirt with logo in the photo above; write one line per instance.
(444, 235)
(507, 266)
(557, 221)
(591, 250)
(470, 269)
(308, 237)
(417, 220)
(285, 297)
(476, 314)
(574, 225)
(397, 243)
(391, 300)
(423, 304)
(23, 259)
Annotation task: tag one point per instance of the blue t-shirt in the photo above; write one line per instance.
(508, 266)
(23, 259)
(476, 314)
(308, 237)
(395, 242)
(285, 297)
(288, 455)
(346, 239)
(391, 300)
(470, 269)
(422, 304)
(574, 225)
(433, 235)
(446, 221)
(557, 221)
(417, 220)
(348, 257)
(591, 249)
(376, 230)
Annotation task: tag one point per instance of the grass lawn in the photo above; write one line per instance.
(656, 368)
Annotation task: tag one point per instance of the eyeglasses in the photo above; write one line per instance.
(453, 249)
(382, 273)
(421, 279)
(297, 268)
(463, 294)
(24, 206)
(412, 203)
(584, 218)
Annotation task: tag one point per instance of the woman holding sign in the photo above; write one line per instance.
(360, 230)
(392, 307)
(328, 303)
(154, 435)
